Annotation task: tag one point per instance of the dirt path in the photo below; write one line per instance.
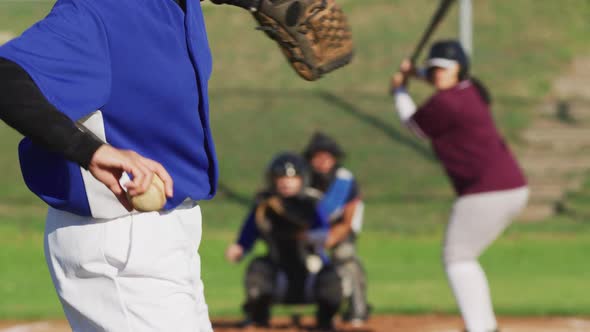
(425, 323)
(555, 153)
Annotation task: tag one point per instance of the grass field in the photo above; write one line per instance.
(533, 270)
(260, 107)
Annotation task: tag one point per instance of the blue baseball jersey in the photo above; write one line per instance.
(342, 190)
(143, 66)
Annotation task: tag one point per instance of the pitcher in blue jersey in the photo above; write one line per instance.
(342, 203)
(134, 73)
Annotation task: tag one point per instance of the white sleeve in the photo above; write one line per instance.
(404, 104)
(405, 110)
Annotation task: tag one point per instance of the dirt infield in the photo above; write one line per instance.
(426, 323)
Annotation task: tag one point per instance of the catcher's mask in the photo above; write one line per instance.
(445, 54)
(287, 164)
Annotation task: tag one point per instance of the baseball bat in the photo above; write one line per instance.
(438, 16)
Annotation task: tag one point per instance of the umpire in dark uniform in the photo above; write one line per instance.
(341, 202)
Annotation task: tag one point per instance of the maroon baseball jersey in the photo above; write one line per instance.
(463, 135)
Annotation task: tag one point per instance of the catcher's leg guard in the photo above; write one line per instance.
(328, 295)
(354, 281)
(260, 282)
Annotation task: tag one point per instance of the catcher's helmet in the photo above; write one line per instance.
(286, 164)
(322, 142)
(446, 52)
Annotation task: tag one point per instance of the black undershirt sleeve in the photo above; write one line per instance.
(24, 107)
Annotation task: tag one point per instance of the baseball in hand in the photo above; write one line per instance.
(151, 200)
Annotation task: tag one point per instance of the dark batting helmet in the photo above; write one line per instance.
(322, 142)
(445, 53)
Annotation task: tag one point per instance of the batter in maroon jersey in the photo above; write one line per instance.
(490, 185)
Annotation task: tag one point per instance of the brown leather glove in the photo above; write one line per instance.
(314, 35)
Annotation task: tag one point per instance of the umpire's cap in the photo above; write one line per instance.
(322, 142)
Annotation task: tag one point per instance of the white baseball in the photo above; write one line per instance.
(314, 263)
(151, 200)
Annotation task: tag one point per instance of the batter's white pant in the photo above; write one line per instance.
(476, 221)
(137, 273)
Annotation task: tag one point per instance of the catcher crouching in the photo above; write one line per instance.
(295, 269)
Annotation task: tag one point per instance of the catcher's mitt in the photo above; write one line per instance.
(314, 35)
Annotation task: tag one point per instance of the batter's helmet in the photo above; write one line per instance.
(446, 52)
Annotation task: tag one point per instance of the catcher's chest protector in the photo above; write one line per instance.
(283, 223)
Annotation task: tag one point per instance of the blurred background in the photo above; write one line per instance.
(534, 55)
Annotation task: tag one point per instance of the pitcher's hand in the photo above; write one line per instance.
(109, 163)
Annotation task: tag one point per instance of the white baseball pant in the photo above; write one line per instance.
(476, 221)
(140, 272)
